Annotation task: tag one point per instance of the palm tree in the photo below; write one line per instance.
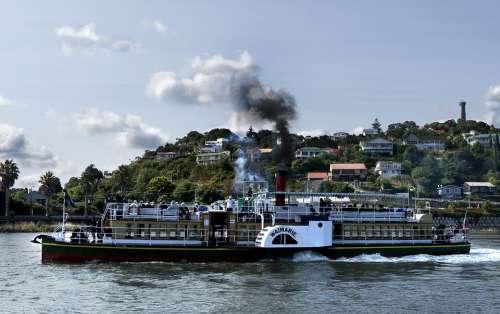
(9, 171)
(49, 185)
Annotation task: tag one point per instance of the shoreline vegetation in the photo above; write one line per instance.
(29, 227)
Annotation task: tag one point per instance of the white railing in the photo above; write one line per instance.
(159, 236)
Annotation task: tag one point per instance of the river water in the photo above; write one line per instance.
(306, 284)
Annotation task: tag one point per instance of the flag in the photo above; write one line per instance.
(67, 199)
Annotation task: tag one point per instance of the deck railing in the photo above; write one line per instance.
(355, 234)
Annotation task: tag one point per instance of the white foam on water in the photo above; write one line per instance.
(309, 256)
(477, 255)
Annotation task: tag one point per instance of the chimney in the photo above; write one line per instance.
(280, 187)
(463, 116)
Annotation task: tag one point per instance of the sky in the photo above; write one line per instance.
(100, 82)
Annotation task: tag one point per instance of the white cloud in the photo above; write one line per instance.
(94, 121)
(15, 145)
(157, 26)
(5, 102)
(129, 131)
(493, 105)
(209, 81)
(87, 40)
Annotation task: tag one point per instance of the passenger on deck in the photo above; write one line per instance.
(229, 204)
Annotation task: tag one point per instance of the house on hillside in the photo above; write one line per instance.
(266, 153)
(317, 176)
(347, 171)
(307, 152)
(211, 158)
(485, 140)
(213, 146)
(388, 169)
(450, 192)
(35, 197)
(165, 155)
(370, 132)
(479, 188)
(339, 135)
(377, 146)
(434, 144)
(330, 151)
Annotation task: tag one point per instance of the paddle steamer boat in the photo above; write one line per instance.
(262, 226)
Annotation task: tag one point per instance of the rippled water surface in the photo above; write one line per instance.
(307, 284)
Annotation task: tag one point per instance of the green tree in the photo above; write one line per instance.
(207, 193)
(160, 187)
(377, 126)
(428, 174)
(335, 187)
(121, 178)
(9, 171)
(49, 185)
(89, 179)
(184, 192)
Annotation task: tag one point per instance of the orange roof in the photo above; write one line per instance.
(354, 166)
(266, 150)
(317, 175)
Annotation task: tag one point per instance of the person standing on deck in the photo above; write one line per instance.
(229, 204)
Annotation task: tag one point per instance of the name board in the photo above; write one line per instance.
(287, 230)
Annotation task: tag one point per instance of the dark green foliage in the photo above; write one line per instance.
(207, 194)
(160, 187)
(184, 192)
(335, 187)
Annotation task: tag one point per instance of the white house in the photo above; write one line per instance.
(377, 146)
(211, 158)
(424, 144)
(307, 152)
(485, 140)
(388, 169)
(213, 146)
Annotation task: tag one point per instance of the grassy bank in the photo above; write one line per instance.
(27, 227)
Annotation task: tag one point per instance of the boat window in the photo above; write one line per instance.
(284, 239)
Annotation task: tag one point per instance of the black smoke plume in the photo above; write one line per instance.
(257, 104)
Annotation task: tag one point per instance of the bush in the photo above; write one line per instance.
(335, 187)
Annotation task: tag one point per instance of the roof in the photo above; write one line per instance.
(266, 150)
(317, 175)
(310, 148)
(486, 184)
(330, 150)
(377, 140)
(355, 166)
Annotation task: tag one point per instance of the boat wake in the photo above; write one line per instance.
(309, 256)
(476, 256)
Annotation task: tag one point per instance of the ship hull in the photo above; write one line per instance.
(76, 253)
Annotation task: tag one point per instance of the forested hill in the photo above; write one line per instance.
(152, 178)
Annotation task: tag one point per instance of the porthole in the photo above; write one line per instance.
(320, 225)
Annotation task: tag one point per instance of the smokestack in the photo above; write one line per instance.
(280, 187)
(463, 116)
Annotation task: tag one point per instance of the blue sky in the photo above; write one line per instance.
(68, 69)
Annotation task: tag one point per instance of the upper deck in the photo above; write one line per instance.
(339, 207)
